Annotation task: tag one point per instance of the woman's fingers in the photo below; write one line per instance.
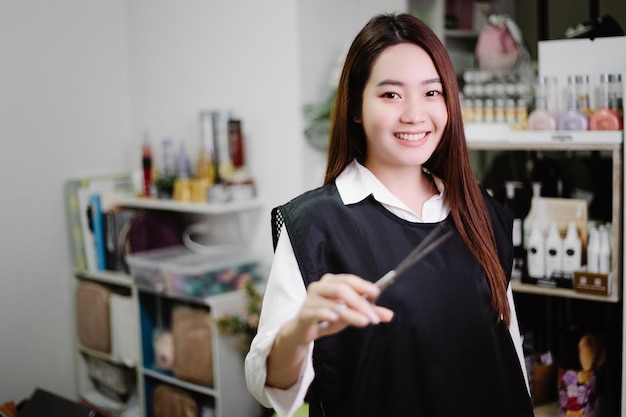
(339, 300)
(344, 286)
(384, 314)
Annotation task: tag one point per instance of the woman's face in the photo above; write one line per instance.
(404, 110)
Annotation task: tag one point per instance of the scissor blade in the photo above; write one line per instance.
(416, 255)
(386, 280)
(411, 259)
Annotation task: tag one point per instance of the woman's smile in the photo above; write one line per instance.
(411, 137)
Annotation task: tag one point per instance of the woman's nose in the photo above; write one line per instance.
(413, 112)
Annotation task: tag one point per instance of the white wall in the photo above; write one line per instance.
(64, 110)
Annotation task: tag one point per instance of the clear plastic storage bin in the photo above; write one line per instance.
(181, 271)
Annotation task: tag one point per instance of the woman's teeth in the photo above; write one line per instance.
(410, 136)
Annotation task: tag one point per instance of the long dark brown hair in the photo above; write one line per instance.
(449, 161)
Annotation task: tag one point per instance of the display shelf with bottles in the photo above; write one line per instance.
(582, 143)
(118, 378)
(551, 314)
(578, 165)
(228, 207)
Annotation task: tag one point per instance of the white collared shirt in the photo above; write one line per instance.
(286, 291)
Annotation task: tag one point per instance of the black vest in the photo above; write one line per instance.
(443, 354)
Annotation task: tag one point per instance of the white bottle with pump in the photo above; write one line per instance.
(593, 250)
(536, 258)
(571, 249)
(554, 250)
(527, 225)
(604, 252)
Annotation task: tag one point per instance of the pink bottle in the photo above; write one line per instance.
(605, 117)
(542, 117)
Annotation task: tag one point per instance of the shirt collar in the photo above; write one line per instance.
(356, 182)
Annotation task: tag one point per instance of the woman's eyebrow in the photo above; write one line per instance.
(389, 82)
(432, 81)
(400, 83)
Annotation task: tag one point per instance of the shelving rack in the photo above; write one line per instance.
(494, 137)
(501, 138)
(228, 396)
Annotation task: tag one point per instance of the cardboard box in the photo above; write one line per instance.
(592, 283)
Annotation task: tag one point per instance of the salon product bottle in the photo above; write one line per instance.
(236, 143)
(572, 118)
(527, 225)
(521, 114)
(593, 250)
(517, 236)
(617, 95)
(146, 163)
(554, 250)
(167, 171)
(479, 110)
(204, 166)
(509, 112)
(571, 249)
(581, 84)
(169, 159)
(604, 251)
(204, 162)
(488, 111)
(543, 117)
(499, 110)
(183, 168)
(605, 117)
(536, 253)
(467, 110)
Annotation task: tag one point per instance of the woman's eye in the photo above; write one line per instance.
(433, 93)
(391, 95)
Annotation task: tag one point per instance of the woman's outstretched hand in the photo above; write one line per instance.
(333, 303)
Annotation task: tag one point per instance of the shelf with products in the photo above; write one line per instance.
(484, 138)
(552, 319)
(181, 294)
(203, 228)
(228, 207)
(582, 165)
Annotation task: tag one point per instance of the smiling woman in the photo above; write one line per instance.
(398, 168)
(403, 116)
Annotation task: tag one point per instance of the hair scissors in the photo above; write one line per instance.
(430, 242)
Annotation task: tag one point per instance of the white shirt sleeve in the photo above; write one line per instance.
(282, 299)
(516, 336)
